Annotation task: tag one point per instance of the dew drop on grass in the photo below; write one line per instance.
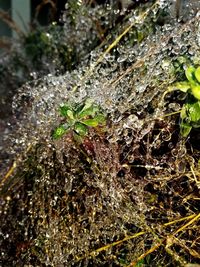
(65, 188)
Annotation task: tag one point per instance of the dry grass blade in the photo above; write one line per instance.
(192, 252)
(115, 42)
(170, 237)
(95, 252)
(5, 43)
(195, 177)
(197, 217)
(132, 264)
(11, 170)
(8, 20)
(152, 51)
(180, 220)
(8, 174)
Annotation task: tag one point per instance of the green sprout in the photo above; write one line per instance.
(192, 84)
(78, 119)
(190, 112)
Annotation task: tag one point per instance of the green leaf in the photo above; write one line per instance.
(88, 103)
(190, 74)
(185, 129)
(70, 114)
(79, 107)
(59, 132)
(183, 113)
(91, 111)
(196, 91)
(64, 109)
(80, 129)
(91, 122)
(197, 74)
(190, 115)
(193, 111)
(140, 263)
(182, 86)
(101, 119)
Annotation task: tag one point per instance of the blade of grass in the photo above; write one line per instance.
(195, 177)
(11, 170)
(156, 246)
(8, 20)
(181, 219)
(8, 174)
(94, 252)
(115, 42)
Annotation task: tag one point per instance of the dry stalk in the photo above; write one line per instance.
(168, 238)
(8, 20)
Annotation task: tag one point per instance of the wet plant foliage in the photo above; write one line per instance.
(78, 120)
(126, 196)
(190, 113)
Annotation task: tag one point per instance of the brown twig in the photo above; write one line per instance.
(8, 20)
(5, 43)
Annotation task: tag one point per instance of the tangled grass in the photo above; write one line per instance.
(128, 196)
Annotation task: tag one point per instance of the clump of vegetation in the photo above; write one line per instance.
(55, 49)
(190, 113)
(78, 119)
(127, 197)
(192, 84)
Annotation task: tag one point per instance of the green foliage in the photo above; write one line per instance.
(190, 113)
(190, 117)
(49, 44)
(140, 263)
(78, 119)
(192, 84)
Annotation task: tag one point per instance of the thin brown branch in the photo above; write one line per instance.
(5, 43)
(5, 17)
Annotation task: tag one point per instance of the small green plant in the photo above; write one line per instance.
(190, 112)
(78, 119)
(192, 84)
(140, 263)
